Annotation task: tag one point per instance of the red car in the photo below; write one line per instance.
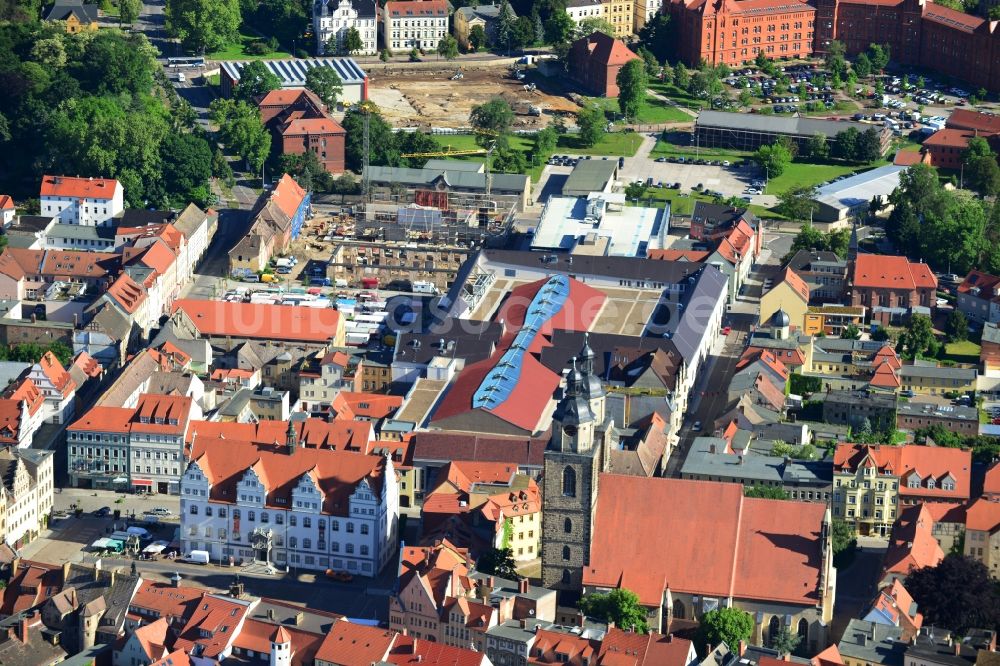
(726, 330)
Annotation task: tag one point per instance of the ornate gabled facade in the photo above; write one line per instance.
(286, 504)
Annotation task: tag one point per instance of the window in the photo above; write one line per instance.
(350, 527)
(567, 526)
(251, 515)
(335, 525)
(292, 542)
(293, 520)
(263, 517)
(569, 482)
(208, 511)
(194, 510)
(565, 577)
(566, 553)
(236, 514)
(364, 529)
(307, 543)
(307, 522)
(279, 519)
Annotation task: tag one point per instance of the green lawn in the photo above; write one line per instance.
(962, 352)
(682, 202)
(238, 51)
(614, 144)
(806, 175)
(668, 149)
(682, 97)
(653, 112)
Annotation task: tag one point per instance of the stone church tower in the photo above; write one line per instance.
(578, 452)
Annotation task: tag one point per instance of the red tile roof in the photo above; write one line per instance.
(90, 366)
(6, 202)
(312, 126)
(445, 446)
(175, 658)
(828, 657)
(912, 544)
(892, 272)
(678, 255)
(371, 405)
(355, 436)
(908, 158)
(626, 648)
(909, 461)
(27, 391)
(416, 8)
(153, 637)
(104, 419)
(885, 376)
(352, 644)
(985, 123)
(163, 600)
(33, 583)
(56, 374)
(946, 512)
(288, 195)
(257, 636)
(950, 138)
(335, 473)
(80, 188)
(159, 257)
(281, 97)
(260, 321)
(795, 281)
(127, 293)
(991, 484)
(10, 421)
(983, 515)
(553, 647)
(737, 542)
(58, 263)
(212, 625)
(162, 414)
(408, 650)
(952, 17)
(606, 50)
(895, 602)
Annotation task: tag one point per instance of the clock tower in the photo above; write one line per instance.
(577, 454)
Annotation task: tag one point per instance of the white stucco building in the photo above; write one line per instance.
(334, 18)
(414, 24)
(290, 505)
(26, 491)
(91, 202)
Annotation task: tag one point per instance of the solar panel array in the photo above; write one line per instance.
(498, 384)
(293, 72)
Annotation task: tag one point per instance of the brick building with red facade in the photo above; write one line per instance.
(594, 62)
(299, 121)
(885, 281)
(918, 32)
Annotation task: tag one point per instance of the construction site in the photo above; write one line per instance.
(444, 98)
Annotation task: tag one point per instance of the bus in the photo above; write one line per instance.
(186, 62)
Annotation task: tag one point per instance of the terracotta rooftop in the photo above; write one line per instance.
(983, 515)
(336, 474)
(985, 123)
(892, 272)
(352, 644)
(912, 463)
(950, 138)
(912, 544)
(737, 541)
(79, 188)
(260, 321)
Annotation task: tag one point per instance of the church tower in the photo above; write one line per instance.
(578, 452)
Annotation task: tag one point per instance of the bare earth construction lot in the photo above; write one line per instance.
(418, 98)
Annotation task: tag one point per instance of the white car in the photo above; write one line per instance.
(753, 190)
(697, 426)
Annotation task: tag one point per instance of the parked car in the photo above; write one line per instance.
(103, 512)
(341, 576)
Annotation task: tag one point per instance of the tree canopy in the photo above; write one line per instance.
(731, 625)
(203, 25)
(256, 80)
(775, 158)
(498, 562)
(620, 606)
(592, 124)
(958, 594)
(326, 83)
(495, 117)
(632, 80)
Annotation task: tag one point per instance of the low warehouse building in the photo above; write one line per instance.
(748, 131)
(842, 200)
(292, 74)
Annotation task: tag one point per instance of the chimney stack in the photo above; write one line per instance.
(23, 626)
(522, 586)
(742, 647)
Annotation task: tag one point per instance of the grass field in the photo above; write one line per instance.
(614, 144)
(682, 202)
(682, 97)
(238, 51)
(668, 149)
(653, 112)
(962, 352)
(802, 174)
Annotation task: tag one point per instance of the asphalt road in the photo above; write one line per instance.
(214, 265)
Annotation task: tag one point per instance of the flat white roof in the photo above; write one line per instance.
(861, 188)
(630, 230)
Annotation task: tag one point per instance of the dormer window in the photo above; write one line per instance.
(930, 482)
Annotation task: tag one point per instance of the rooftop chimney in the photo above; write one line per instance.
(522, 586)
(175, 580)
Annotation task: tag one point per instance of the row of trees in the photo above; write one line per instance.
(950, 229)
(97, 103)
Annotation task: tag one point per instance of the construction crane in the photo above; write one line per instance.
(367, 107)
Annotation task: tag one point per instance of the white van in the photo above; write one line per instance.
(180, 77)
(198, 557)
(340, 283)
(424, 288)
